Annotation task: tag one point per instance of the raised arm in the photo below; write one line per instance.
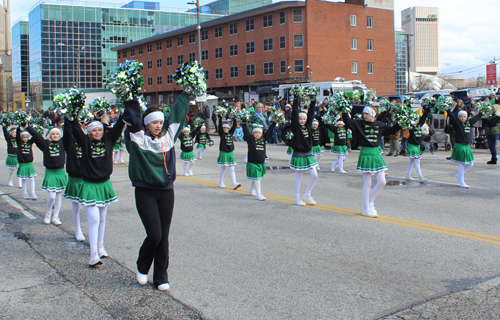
(132, 115)
(475, 118)
(37, 138)
(67, 137)
(196, 130)
(351, 124)
(453, 119)
(424, 116)
(246, 132)
(233, 128)
(177, 116)
(491, 121)
(6, 134)
(76, 130)
(310, 112)
(221, 132)
(116, 131)
(18, 135)
(269, 132)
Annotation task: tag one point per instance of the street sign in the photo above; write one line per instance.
(491, 74)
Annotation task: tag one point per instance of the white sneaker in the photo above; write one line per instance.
(102, 252)
(332, 168)
(318, 168)
(309, 199)
(20, 185)
(11, 184)
(186, 174)
(343, 172)
(386, 173)
(463, 185)
(299, 202)
(252, 192)
(94, 260)
(164, 287)
(46, 220)
(25, 196)
(369, 213)
(260, 197)
(423, 179)
(56, 221)
(141, 278)
(115, 161)
(409, 178)
(34, 196)
(200, 157)
(121, 160)
(372, 208)
(79, 236)
(236, 186)
(222, 185)
(190, 172)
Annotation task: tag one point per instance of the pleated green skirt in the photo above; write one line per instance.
(187, 156)
(339, 150)
(413, 151)
(72, 188)
(11, 162)
(26, 170)
(302, 163)
(370, 160)
(54, 180)
(226, 159)
(462, 154)
(96, 194)
(317, 150)
(256, 171)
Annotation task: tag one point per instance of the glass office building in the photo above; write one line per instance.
(20, 57)
(70, 45)
(401, 59)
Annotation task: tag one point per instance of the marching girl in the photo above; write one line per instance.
(54, 181)
(119, 147)
(11, 161)
(462, 154)
(256, 164)
(96, 191)
(150, 141)
(317, 149)
(202, 138)
(226, 157)
(339, 145)
(413, 148)
(368, 133)
(73, 169)
(302, 159)
(187, 156)
(26, 170)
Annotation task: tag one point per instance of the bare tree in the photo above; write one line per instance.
(421, 83)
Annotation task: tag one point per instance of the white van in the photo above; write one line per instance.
(327, 88)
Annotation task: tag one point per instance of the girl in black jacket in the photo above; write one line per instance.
(26, 170)
(11, 161)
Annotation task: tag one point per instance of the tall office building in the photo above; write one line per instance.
(5, 57)
(401, 71)
(423, 24)
(20, 56)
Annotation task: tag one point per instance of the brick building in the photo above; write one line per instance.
(285, 42)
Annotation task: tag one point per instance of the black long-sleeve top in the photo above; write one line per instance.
(187, 141)
(368, 134)
(316, 134)
(257, 147)
(73, 153)
(203, 137)
(24, 149)
(97, 159)
(415, 137)
(340, 135)
(302, 135)
(226, 139)
(54, 156)
(463, 129)
(11, 143)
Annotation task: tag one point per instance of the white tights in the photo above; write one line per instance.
(187, 166)
(200, 153)
(367, 184)
(11, 176)
(462, 170)
(318, 158)
(76, 216)
(25, 186)
(340, 162)
(54, 200)
(414, 162)
(96, 219)
(299, 174)
(121, 155)
(231, 171)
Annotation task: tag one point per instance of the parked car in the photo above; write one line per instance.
(466, 94)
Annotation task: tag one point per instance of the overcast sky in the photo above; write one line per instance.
(468, 36)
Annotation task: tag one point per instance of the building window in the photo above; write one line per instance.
(218, 32)
(159, 80)
(233, 50)
(354, 67)
(118, 54)
(282, 17)
(132, 52)
(204, 55)
(159, 63)
(207, 76)
(267, 21)
(370, 45)
(234, 72)
(250, 24)
(169, 61)
(282, 42)
(180, 41)
(204, 35)
(369, 22)
(353, 20)
(298, 41)
(192, 57)
(268, 44)
(233, 28)
(180, 59)
(219, 74)
(268, 68)
(354, 44)
(150, 64)
(169, 43)
(250, 70)
(124, 53)
(298, 65)
(370, 67)
(218, 53)
(297, 16)
(158, 46)
(141, 50)
(170, 79)
(150, 81)
(192, 38)
(150, 48)
(170, 98)
(250, 47)
(283, 66)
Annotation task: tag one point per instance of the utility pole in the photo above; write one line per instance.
(407, 39)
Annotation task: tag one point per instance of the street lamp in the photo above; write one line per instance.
(79, 51)
(311, 73)
(197, 4)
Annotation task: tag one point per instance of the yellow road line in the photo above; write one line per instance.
(384, 219)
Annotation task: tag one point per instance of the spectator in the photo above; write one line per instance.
(206, 116)
(214, 119)
(492, 131)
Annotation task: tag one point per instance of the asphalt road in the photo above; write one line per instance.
(432, 253)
